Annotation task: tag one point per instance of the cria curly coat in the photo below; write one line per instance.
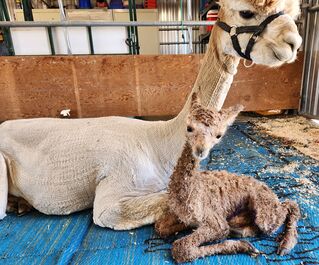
(219, 203)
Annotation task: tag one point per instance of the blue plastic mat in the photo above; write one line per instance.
(40, 239)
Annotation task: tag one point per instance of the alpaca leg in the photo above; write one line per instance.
(269, 212)
(242, 225)
(289, 239)
(168, 225)
(115, 207)
(142, 210)
(188, 248)
(230, 247)
(12, 204)
(18, 205)
(3, 186)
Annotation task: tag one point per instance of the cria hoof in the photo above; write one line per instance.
(286, 245)
(250, 249)
(283, 251)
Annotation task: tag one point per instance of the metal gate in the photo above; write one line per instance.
(309, 104)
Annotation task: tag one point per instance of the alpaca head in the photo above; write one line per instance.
(206, 127)
(278, 42)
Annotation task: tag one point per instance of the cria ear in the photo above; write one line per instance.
(229, 115)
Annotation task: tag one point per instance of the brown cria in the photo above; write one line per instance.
(218, 203)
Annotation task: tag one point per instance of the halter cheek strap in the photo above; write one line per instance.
(255, 30)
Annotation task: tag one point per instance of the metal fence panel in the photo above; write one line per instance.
(309, 104)
(171, 41)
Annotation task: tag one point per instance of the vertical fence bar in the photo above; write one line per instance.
(309, 103)
(4, 16)
(51, 40)
(128, 40)
(131, 29)
(4, 8)
(27, 10)
(91, 40)
(137, 45)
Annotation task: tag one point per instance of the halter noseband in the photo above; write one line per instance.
(256, 30)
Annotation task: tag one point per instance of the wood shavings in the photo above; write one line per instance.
(296, 131)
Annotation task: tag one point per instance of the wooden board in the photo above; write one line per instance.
(92, 86)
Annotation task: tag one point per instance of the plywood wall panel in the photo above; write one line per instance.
(92, 86)
(263, 88)
(165, 82)
(106, 85)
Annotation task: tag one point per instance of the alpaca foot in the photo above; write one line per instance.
(246, 247)
(18, 206)
(287, 244)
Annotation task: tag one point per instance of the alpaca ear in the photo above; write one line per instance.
(229, 115)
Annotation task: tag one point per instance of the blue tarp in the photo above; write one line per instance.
(39, 239)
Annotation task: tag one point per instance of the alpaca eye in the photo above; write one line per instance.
(218, 136)
(246, 14)
(189, 129)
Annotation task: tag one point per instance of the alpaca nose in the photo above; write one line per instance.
(294, 41)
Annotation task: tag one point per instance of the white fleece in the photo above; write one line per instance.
(119, 165)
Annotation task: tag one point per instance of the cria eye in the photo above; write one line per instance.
(189, 128)
(218, 136)
(246, 14)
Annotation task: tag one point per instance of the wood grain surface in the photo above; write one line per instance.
(93, 86)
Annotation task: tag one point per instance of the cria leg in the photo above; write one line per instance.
(242, 225)
(116, 207)
(3, 186)
(189, 248)
(289, 239)
(269, 212)
(168, 225)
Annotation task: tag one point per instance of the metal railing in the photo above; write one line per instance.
(30, 24)
(309, 103)
(49, 25)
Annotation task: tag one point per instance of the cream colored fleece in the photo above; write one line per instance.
(120, 166)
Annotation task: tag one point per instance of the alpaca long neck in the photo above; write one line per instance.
(215, 76)
(212, 85)
(183, 172)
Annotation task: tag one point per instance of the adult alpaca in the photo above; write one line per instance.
(121, 166)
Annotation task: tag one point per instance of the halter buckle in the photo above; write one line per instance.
(233, 31)
(254, 37)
